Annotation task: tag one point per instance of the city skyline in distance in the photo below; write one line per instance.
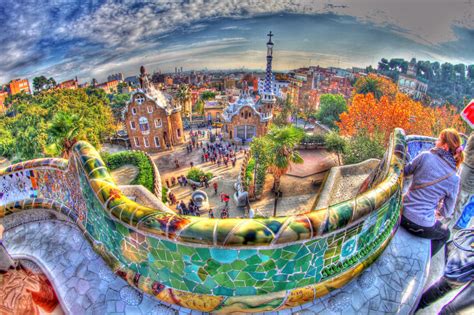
(93, 41)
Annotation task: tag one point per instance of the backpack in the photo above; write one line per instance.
(460, 257)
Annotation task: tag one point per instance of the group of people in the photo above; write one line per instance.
(220, 153)
(182, 181)
(430, 198)
(224, 213)
(190, 209)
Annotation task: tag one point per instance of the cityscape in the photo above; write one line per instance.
(282, 157)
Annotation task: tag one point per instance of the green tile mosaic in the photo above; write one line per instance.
(233, 264)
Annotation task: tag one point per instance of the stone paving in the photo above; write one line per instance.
(85, 284)
(298, 192)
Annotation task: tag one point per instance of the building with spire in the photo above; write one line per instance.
(249, 117)
(152, 118)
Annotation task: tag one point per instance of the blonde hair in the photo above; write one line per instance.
(451, 137)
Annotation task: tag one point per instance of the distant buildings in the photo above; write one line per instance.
(306, 85)
(152, 119)
(109, 86)
(410, 85)
(115, 77)
(3, 97)
(18, 86)
(214, 110)
(15, 86)
(133, 81)
(69, 84)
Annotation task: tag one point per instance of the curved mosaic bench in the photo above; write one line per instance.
(216, 265)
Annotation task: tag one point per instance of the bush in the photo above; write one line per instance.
(361, 147)
(195, 174)
(316, 139)
(164, 194)
(249, 172)
(145, 175)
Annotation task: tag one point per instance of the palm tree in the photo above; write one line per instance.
(183, 96)
(369, 85)
(283, 142)
(63, 132)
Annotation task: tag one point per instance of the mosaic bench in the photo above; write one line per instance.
(219, 265)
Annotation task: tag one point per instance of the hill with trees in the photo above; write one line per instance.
(447, 83)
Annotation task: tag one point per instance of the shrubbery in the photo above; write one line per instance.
(310, 139)
(145, 175)
(195, 174)
(361, 147)
(249, 172)
(164, 194)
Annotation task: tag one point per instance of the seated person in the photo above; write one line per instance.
(434, 188)
(458, 271)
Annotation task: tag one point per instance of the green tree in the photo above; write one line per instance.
(362, 147)
(118, 103)
(369, 84)
(331, 106)
(42, 83)
(261, 153)
(208, 95)
(62, 133)
(335, 143)
(283, 142)
(183, 95)
(36, 123)
(287, 109)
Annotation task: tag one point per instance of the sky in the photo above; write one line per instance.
(95, 38)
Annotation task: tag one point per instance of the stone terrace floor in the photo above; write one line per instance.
(298, 192)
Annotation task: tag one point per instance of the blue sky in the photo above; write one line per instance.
(64, 38)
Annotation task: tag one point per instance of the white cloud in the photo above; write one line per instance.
(30, 33)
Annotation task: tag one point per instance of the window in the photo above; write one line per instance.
(134, 111)
(178, 132)
(137, 142)
(144, 127)
(157, 123)
(149, 109)
(139, 99)
(145, 141)
(157, 142)
(132, 125)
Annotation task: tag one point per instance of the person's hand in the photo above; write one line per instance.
(438, 215)
(1, 231)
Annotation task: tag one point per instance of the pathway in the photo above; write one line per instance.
(125, 174)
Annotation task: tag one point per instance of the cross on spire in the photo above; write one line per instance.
(270, 36)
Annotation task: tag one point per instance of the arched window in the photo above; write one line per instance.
(157, 123)
(144, 127)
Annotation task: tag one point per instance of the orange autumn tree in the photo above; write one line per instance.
(446, 116)
(380, 117)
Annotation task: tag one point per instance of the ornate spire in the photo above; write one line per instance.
(268, 86)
